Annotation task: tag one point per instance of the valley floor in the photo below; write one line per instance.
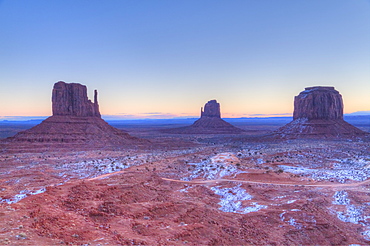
(189, 189)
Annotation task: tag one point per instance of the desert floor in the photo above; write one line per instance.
(188, 189)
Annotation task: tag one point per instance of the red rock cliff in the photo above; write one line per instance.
(318, 103)
(71, 99)
(318, 113)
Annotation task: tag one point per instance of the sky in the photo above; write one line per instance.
(165, 58)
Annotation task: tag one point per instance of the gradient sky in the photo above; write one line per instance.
(167, 58)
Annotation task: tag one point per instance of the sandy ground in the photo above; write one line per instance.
(188, 190)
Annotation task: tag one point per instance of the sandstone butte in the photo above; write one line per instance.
(318, 113)
(210, 122)
(76, 122)
(71, 99)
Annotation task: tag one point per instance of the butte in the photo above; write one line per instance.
(318, 113)
(76, 123)
(210, 122)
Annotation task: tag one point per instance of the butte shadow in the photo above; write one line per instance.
(210, 122)
(76, 123)
(318, 114)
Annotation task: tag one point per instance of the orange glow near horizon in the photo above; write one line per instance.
(152, 60)
(132, 113)
(231, 107)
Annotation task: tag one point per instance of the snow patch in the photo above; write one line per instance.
(339, 173)
(353, 214)
(231, 200)
(185, 189)
(223, 164)
(341, 198)
(23, 194)
(366, 234)
(293, 222)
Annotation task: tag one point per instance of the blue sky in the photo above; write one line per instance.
(168, 58)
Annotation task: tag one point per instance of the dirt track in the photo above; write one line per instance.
(357, 184)
(268, 183)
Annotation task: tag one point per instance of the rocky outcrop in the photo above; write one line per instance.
(318, 113)
(318, 103)
(211, 109)
(76, 123)
(71, 99)
(210, 122)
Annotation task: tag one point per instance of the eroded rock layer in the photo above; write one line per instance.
(71, 99)
(318, 113)
(318, 103)
(72, 130)
(211, 109)
(76, 122)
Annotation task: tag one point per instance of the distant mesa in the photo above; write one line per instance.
(76, 121)
(210, 122)
(318, 113)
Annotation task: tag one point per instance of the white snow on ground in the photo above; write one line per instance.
(366, 234)
(296, 170)
(93, 168)
(185, 189)
(83, 169)
(353, 214)
(208, 170)
(96, 167)
(231, 200)
(288, 217)
(23, 194)
(342, 171)
(218, 166)
(294, 223)
(341, 198)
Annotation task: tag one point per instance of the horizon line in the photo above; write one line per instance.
(165, 116)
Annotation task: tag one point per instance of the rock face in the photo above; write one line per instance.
(71, 99)
(318, 113)
(76, 122)
(210, 122)
(318, 103)
(211, 109)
